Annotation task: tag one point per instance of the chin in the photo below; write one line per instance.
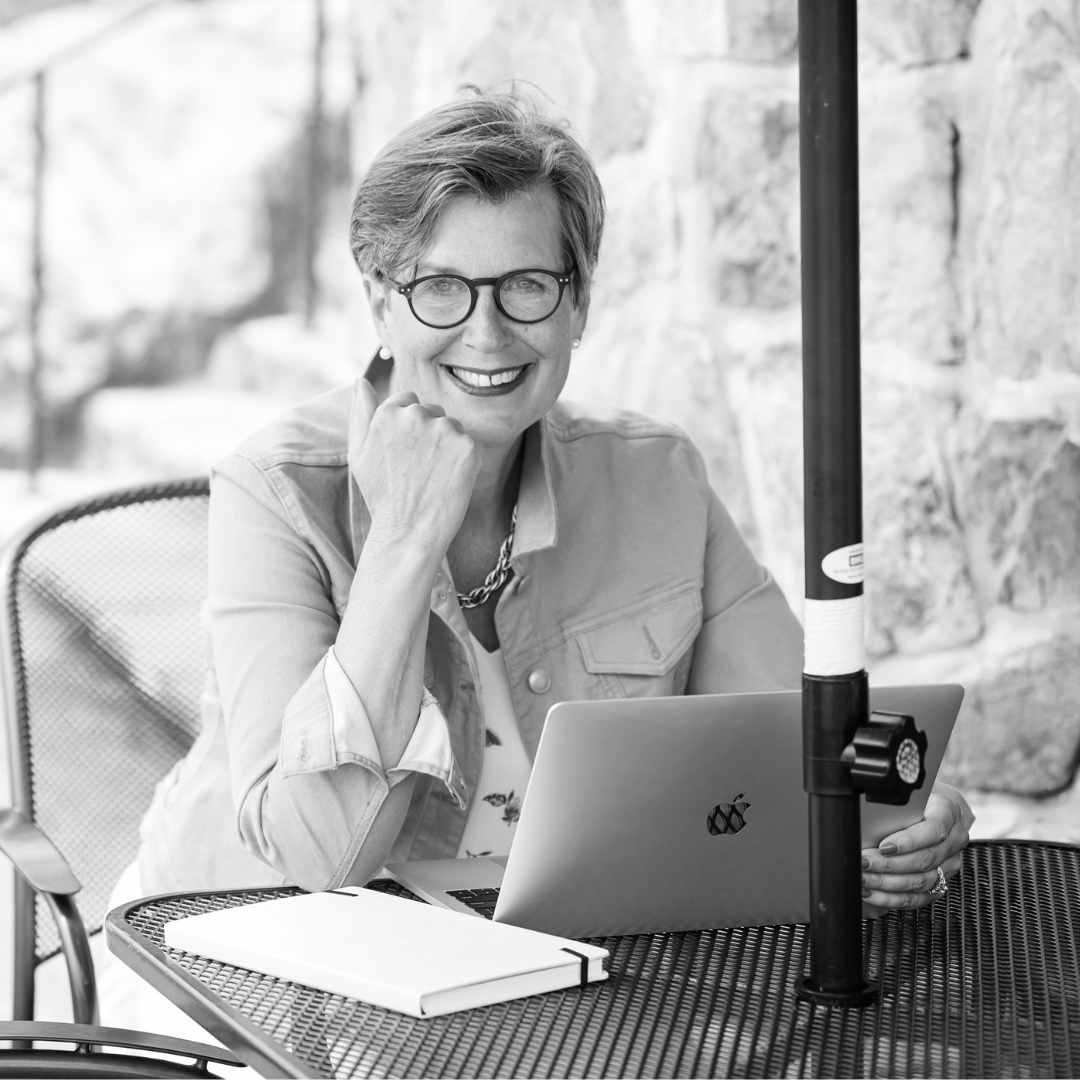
(488, 431)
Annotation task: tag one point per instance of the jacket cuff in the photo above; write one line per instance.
(429, 751)
(307, 729)
(326, 725)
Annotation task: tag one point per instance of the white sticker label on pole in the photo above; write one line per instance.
(833, 636)
(844, 564)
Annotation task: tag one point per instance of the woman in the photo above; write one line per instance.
(406, 574)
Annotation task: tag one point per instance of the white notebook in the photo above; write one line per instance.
(389, 951)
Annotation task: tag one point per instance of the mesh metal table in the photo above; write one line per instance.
(986, 982)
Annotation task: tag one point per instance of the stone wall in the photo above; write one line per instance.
(970, 194)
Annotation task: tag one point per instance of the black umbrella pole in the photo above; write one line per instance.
(835, 698)
(832, 708)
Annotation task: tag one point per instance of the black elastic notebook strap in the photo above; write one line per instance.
(584, 964)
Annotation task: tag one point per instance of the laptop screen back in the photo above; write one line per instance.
(667, 814)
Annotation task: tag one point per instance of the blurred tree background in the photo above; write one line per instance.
(174, 271)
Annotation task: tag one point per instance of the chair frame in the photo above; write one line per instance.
(40, 867)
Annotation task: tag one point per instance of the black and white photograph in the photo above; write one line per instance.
(539, 539)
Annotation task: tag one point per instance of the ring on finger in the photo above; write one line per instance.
(940, 887)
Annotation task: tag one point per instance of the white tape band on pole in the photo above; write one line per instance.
(833, 633)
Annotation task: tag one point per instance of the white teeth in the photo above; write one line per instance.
(474, 378)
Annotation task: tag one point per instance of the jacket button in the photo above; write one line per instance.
(539, 681)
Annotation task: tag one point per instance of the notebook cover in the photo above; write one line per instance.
(388, 951)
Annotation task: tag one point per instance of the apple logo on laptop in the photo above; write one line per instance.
(728, 818)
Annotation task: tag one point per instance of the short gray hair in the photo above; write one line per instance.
(491, 146)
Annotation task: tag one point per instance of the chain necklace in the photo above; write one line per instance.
(497, 578)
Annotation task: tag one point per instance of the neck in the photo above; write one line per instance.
(496, 489)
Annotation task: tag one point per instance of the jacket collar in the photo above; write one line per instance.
(538, 523)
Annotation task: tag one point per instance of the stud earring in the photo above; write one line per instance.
(384, 352)
(575, 343)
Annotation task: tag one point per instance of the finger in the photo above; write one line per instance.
(933, 829)
(906, 891)
(408, 400)
(426, 412)
(898, 883)
(905, 901)
(919, 860)
(939, 820)
(915, 862)
(951, 866)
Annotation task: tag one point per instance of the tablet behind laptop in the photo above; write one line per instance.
(666, 814)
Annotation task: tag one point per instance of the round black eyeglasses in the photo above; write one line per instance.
(523, 296)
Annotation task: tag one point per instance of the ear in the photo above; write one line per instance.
(378, 298)
(579, 318)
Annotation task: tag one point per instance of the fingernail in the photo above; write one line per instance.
(863, 879)
(888, 849)
(865, 863)
(866, 893)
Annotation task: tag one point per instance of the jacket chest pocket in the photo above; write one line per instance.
(645, 653)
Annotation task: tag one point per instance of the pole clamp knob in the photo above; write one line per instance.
(886, 758)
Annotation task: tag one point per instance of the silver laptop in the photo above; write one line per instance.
(665, 814)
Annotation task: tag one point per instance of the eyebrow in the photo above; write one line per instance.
(426, 269)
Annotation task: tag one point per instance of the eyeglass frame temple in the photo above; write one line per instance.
(473, 285)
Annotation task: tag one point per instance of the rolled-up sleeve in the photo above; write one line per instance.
(306, 776)
(749, 639)
(326, 724)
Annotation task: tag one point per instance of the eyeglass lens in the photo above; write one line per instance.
(529, 297)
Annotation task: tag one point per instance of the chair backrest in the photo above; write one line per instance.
(103, 665)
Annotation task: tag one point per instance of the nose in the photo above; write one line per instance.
(486, 328)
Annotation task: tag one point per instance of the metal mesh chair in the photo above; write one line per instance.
(102, 665)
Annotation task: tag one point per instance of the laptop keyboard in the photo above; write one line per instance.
(482, 901)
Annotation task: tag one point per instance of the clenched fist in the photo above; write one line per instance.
(415, 468)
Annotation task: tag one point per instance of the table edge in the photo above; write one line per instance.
(228, 1025)
(247, 1040)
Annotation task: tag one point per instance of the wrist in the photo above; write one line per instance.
(402, 548)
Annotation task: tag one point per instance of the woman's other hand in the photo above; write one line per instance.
(414, 465)
(903, 868)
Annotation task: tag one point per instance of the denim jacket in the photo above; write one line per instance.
(630, 580)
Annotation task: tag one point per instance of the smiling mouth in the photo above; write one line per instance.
(480, 381)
